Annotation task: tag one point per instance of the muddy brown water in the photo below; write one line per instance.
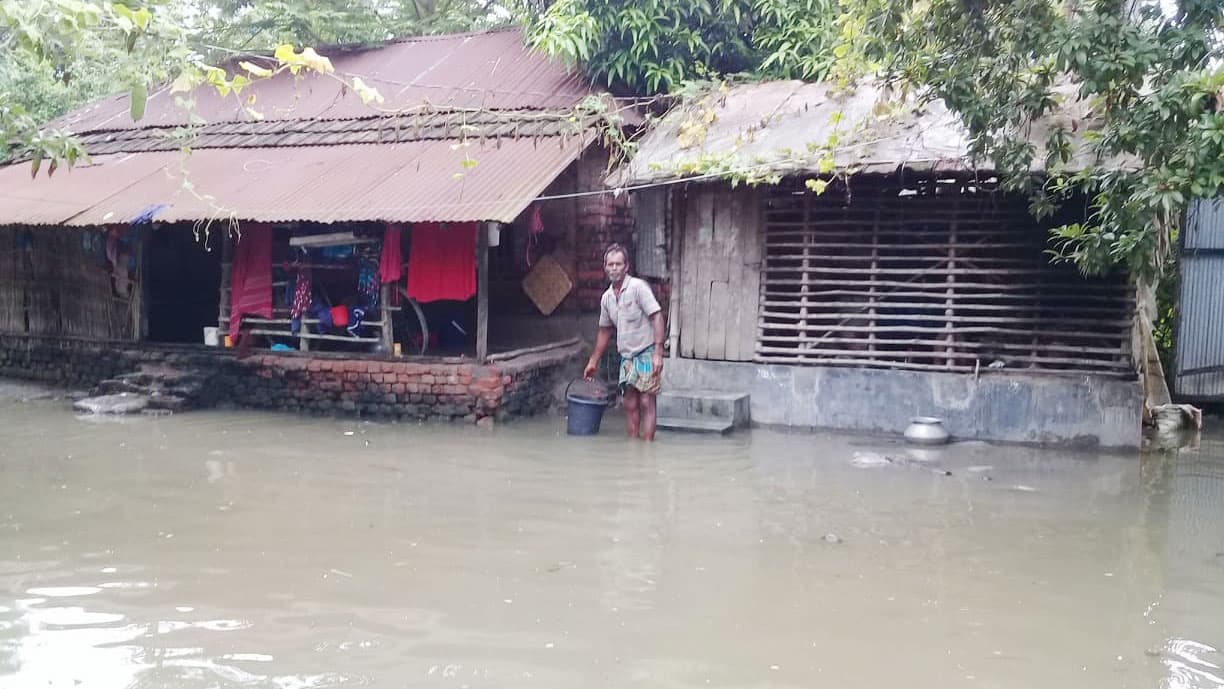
(243, 549)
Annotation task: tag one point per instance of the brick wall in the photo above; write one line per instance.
(602, 220)
(438, 390)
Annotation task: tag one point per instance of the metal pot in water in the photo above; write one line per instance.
(926, 430)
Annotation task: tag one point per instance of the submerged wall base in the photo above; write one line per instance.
(1081, 411)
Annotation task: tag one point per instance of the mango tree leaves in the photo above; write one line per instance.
(139, 97)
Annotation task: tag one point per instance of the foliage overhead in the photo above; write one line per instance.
(263, 24)
(654, 46)
(58, 54)
(1151, 74)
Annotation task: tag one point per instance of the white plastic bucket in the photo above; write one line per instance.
(210, 337)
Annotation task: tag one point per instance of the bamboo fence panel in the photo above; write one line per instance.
(940, 277)
(12, 283)
(56, 285)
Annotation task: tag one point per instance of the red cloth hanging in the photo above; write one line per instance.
(391, 262)
(442, 262)
(251, 277)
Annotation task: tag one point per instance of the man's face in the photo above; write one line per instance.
(615, 266)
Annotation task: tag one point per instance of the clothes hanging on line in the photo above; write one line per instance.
(302, 289)
(367, 283)
(442, 262)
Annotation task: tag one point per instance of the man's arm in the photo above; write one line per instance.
(660, 332)
(601, 344)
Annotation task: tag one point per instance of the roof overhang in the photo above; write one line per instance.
(417, 181)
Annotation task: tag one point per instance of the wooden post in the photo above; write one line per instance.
(388, 336)
(807, 264)
(872, 292)
(223, 290)
(140, 293)
(950, 295)
(482, 292)
(675, 213)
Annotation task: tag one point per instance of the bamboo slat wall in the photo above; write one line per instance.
(12, 290)
(940, 278)
(53, 282)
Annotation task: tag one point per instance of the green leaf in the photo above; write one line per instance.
(817, 185)
(139, 97)
(184, 82)
(254, 69)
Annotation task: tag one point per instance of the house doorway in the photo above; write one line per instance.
(184, 279)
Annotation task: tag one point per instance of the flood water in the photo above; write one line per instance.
(243, 549)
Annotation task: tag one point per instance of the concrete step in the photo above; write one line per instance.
(122, 403)
(706, 404)
(695, 425)
(115, 387)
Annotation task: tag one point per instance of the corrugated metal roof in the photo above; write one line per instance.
(52, 200)
(320, 154)
(388, 129)
(421, 181)
(489, 70)
(769, 126)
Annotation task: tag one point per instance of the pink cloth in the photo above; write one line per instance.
(535, 228)
(251, 277)
(442, 262)
(391, 263)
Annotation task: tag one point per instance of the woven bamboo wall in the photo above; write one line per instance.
(933, 277)
(57, 282)
(12, 284)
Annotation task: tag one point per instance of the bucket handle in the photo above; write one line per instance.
(575, 380)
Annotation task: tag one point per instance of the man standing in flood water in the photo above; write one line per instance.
(629, 307)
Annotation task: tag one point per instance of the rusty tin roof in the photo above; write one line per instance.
(320, 154)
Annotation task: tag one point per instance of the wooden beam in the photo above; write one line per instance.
(482, 292)
(505, 356)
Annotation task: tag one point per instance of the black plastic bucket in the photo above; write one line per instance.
(585, 413)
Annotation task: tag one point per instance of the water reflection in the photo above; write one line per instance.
(252, 550)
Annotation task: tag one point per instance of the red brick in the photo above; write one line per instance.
(399, 388)
(427, 379)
